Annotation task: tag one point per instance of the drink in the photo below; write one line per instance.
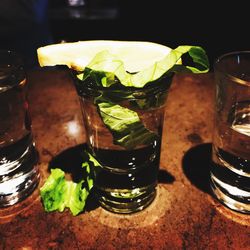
(230, 170)
(123, 87)
(129, 157)
(127, 177)
(19, 174)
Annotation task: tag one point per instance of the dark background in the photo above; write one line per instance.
(217, 28)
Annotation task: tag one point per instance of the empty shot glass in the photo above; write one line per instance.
(19, 174)
(230, 169)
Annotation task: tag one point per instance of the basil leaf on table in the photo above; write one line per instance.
(57, 193)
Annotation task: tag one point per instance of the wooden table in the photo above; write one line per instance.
(184, 215)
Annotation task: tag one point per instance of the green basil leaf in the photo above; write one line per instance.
(53, 191)
(112, 67)
(57, 193)
(125, 125)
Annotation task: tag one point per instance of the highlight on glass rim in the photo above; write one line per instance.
(126, 84)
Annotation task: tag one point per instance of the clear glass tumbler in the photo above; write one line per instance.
(19, 174)
(230, 170)
(124, 133)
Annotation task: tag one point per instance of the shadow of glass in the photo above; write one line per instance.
(196, 166)
(70, 161)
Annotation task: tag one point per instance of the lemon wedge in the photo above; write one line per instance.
(136, 55)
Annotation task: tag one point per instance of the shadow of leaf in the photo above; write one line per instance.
(165, 177)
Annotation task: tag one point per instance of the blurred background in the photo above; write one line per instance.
(26, 25)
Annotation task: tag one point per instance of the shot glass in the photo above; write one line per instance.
(19, 174)
(124, 134)
(230, 168)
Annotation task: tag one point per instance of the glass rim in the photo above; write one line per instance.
(12, 53)
(11, 69)
(11, 57)
(230, 76)
(162, 84)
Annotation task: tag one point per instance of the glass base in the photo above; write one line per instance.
(224, 198)
(19, 187)
(125, 201)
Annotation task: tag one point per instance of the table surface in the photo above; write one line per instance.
(183, 215)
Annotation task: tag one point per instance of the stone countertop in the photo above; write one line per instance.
(184, 215)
